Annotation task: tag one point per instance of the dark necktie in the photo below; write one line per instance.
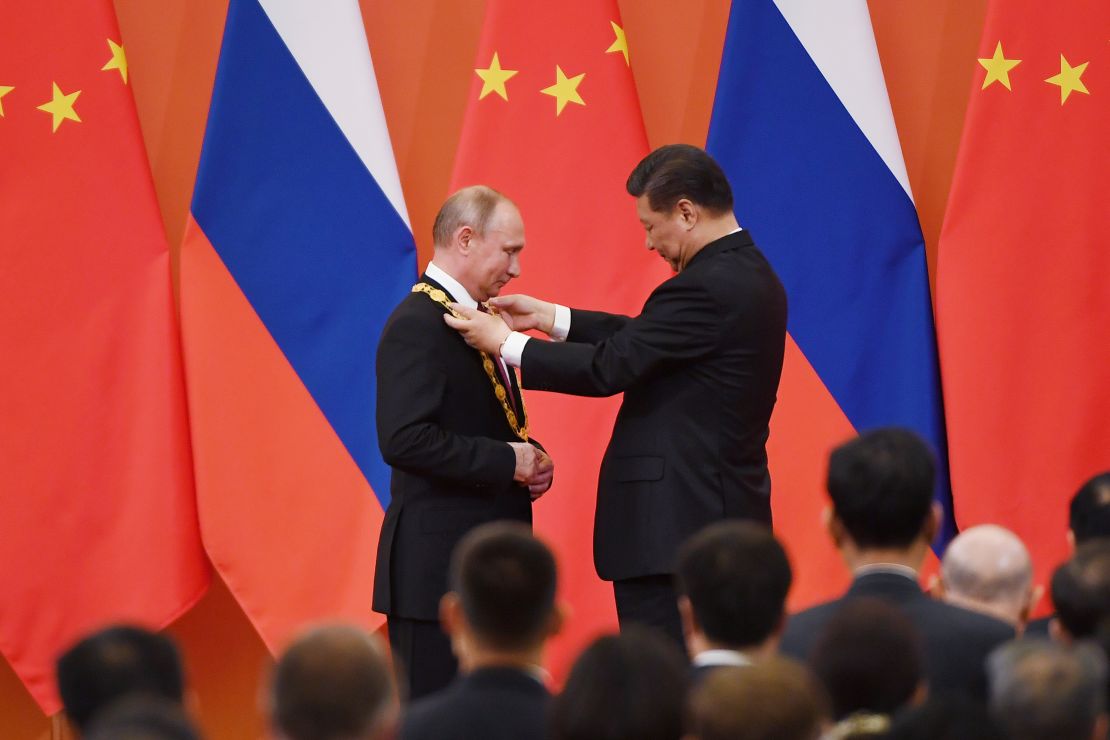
(501, 370)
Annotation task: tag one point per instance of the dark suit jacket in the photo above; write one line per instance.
(699, 368)
(956, 641)
(488, 704)
(444, 433)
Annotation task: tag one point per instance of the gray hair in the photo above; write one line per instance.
(988, 564)
(471, 206)
(1040, 690)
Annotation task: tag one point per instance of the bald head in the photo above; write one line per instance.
(987, 569)
(333, 683)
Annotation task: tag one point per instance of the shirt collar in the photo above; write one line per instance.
(722, 657)
(451, 285)
(901, 570)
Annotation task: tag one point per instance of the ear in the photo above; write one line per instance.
(451, 616)
(833, 526)
(935, 588)
(1036, 592)
(687, 212)
(461, 240)
(557, 619)
(932, 522)
(1070, 537)
(689, 621)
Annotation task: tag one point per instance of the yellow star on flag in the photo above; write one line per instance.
(1068, 79)
(620, 43)
(565, 90)
(118, 60)
(4, 90)
(494, 79)
(61, 106)
(998, 68)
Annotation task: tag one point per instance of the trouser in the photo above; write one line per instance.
(651, 601)
(422, 656)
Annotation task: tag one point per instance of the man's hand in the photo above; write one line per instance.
(534, 468)
(481, 331)
(523, 312)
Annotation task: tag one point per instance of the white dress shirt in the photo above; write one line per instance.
(459, 295)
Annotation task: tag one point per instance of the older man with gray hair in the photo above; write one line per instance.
(1041, 690)
(987, 569)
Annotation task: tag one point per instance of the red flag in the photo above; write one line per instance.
(99, 521)
(555, 124)
(1023, 304)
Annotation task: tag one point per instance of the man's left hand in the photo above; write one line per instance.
(545, 474)
(481, 331)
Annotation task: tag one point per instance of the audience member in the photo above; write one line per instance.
(1041, 690)
(987, 569)
(1088, 520)
(946, 718)
(868, 657)
(882, 520)
(629, 686)
(333, 683)
(499, 613)
(142, 717)
(732, 579)
(115, 663)
(776, 699)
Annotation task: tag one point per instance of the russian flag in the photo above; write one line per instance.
(802, 125)
(297, 250)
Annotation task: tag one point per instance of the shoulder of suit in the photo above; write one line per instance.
(971, 622)
(416, 311)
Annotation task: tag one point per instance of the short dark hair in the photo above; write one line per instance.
(113, 663)
(1081, 591)
(881, 486)
(869, 657)
(142, 718)
(736, 575)
(677, 171)
(332, 682)
(630, 685)
(505, 580)
(777, 699)
(1089, 513)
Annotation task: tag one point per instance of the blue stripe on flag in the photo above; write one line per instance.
(839, 229)
(305, 230)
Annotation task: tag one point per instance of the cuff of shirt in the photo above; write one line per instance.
(513, 348)
(561, 326)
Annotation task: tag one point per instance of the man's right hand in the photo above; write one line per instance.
(533, 467)
(523, 312)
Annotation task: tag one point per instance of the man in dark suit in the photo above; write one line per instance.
(732, 578)
(699, 369)
(452, 424)
(500, 611)
(882, 520)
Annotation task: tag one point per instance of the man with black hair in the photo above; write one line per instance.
(333, 683)
(732, 580)
(1088, 520)
(883, 519)
(699, 368)
(115, 663)
(1081, 593)
(499, 613)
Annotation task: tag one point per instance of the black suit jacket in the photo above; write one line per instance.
(488, 704)
(956, 641)
(444, 433)
(699, 368)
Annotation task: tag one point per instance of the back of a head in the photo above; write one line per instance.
(505, 580)
(629, 686)
(142, 718)
(471, 206)
(869, 658)
(1081, 592)
(736, 576)
(988, 568)
(1089, 513)
(333, 682)
(1040, 690)
(946, 717)
(114, 663)
(881, 487)
(677, 171)
(776, 699)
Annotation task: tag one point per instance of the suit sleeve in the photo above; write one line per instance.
(679, 324)
(593, 326)
(412, 382)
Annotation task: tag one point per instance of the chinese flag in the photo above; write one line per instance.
(554, 123)
(1023, 298)
(99, 522)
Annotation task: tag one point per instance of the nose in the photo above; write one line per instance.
(514, 267)
(647, 243)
